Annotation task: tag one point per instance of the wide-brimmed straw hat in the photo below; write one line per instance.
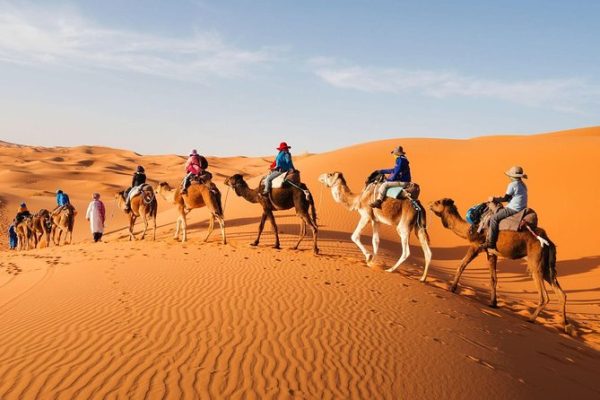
(283, 146)
(398, 151)
(516, 172)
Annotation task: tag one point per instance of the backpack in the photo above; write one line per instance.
(474, 213)
(202, 161)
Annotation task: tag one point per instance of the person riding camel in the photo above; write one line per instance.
(22, 213)
(282, 164)
(138, 179)
(516, 195)
(193, 168)
(399, 176)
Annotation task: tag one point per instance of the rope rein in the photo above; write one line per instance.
(305, 191)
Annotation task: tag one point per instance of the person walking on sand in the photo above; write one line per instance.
(13, 239)
(96, 214)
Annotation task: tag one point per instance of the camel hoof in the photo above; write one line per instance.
(569, 329)
(254, 244)
(369, 258)
(493, 304)
(316, 252)
(453, 288)
(423, 279)
(277, 247)
(390, 270)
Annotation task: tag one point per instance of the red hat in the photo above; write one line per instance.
(283, 146)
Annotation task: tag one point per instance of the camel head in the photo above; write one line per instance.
(439, 206)
(236, 182)
(162, 188)
(330, 179)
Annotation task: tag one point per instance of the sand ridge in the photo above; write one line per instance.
(202, 320)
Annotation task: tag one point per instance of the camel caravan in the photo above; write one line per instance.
(389, 197)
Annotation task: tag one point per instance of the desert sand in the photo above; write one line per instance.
(163, 319)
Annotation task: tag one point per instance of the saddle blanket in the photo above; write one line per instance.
(513, 223)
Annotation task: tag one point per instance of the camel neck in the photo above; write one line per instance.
(453, 221)
(248, 194)
(343, 195)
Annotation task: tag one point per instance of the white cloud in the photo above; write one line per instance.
(38, 36)
(568, 95)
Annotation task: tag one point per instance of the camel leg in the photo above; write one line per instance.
(536, 273)
(145, 221)
(275, 229)
(364, 220)
(131, 225)
(176, 235)
(404, 233)
(211, 227)
(302, 232)
(221, 222)
(183, 228)
(492, 261)
(376, 240)
(422, 235)
(563, 301)
(471, 254)
(315, 232)
(261, 226)
(154, 233)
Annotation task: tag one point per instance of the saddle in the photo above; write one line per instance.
(395, 192)
(201, 179)
(515, 222)
(279, 182)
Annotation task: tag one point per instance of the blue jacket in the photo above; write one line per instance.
(400, 172)
(283, 161)
(62, 199)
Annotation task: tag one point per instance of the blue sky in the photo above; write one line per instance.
(237, 77)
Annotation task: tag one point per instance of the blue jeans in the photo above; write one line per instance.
(269, 180)
(492, 234)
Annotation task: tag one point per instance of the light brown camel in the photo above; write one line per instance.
(63, 221)
(541, 260)
(144, 205)
(198, 196)
(284, 198)
(25, 234)
(399, 213)
(42, 226)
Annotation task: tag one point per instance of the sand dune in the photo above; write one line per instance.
(201, 320)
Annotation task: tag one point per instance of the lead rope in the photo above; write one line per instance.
(305, 191)
(226, 196)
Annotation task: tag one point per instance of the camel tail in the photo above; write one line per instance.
(421, 225)
(215, 194)
(549, 262)
(311, 203)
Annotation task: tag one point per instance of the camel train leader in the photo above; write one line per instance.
(516, 195)
(138, 179)
(283, 163)
(399, 176)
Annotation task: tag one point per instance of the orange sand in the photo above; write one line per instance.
(199, 320)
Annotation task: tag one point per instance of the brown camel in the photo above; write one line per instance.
(399, 213)
(42, 226)
(198, 196)
(283, 198)
(63, 221)
(143, 204)
(25, 233)
(541, 260)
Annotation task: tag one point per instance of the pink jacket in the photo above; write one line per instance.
(193, 165)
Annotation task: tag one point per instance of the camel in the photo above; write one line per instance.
(399, 213)
(198, 196)
(541, 260)
(285, 198)
(25, 233)
(42, 226)
(144, 205)
(63, 220)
